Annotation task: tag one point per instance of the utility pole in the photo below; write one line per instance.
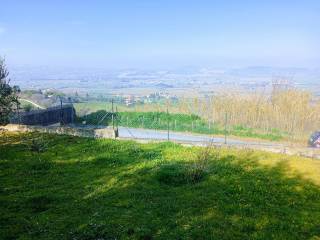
(19, 118)
(225, 128)
(61, 113)
(117, 129)
(72, 114)
(168, 124)
(117, 117)
(112, 114)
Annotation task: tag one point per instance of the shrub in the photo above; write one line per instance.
(201, 164)
(187, 173)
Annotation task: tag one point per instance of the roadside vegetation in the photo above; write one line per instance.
(177, 122)
(292, 111)
(63, 187)
(283, 114)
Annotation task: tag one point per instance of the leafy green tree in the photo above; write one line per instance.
(8, 94)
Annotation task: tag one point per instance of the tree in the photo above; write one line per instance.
(8, 94)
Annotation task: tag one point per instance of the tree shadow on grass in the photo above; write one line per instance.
(112, 190)
(238, 200)
(41, 198)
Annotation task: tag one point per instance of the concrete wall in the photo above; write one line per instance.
(68, 130)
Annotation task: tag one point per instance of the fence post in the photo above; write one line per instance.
(19, 118)
(225, 128)
(117, 123)
(61, 113)
(72, 115)
(112, 114)
(168, 124)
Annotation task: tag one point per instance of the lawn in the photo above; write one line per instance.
(63, 187)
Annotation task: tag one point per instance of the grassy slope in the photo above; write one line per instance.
(106, 189)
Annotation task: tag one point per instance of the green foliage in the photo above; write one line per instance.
(8, 94)
(108, 189)
(177, 122)
(176, 174)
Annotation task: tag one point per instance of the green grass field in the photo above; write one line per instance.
(97, 106)
(178, 122)
(63, 187)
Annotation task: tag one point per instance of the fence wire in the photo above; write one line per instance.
(157, 125)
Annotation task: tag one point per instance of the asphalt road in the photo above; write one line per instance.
(148, 134)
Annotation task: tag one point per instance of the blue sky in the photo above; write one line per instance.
(158, 33)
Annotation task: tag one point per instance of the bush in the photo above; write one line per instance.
(189, 173)
(201, 164)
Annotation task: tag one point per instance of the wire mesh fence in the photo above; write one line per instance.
(156, 124)
(165, 122)
(163, 118)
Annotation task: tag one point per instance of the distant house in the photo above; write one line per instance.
(129, 100)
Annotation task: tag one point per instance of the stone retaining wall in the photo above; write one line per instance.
(107, 132)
